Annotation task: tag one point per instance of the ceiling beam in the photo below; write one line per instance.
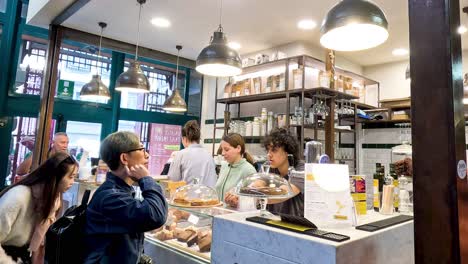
(116, 45)
(69, 11)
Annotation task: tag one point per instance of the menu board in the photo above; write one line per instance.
(164, 139)
(327, 197)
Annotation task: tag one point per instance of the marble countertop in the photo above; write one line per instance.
(352, 232)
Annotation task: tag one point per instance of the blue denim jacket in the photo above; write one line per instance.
(116, 221)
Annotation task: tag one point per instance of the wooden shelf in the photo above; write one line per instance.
(337, 130)
(308, 93)
(345, 159)
(363, 106)
(221, 128)
(311, 92)
(387, 121)
(253, 98)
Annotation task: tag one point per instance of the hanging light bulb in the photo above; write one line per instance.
(96, 89)
(175, 102)
(218, 59)
(353, 25)
(134, 79)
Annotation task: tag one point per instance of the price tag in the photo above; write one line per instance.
(193, 219)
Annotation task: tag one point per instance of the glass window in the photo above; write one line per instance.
(24, 10)
(160, 140)
(31, 65)
(161, 81)
(22, 143)
(84, 138)
(194, 100)
(3, 4)
(77, 65)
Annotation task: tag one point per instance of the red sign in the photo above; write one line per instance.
(164, 139)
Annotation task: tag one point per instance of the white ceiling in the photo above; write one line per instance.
(256, 25)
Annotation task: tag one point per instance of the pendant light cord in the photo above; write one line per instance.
(102, 25)
(138, 32)
(220, 13)
(177, 69)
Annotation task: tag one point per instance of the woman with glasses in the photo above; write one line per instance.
(29, 207)
(194, 161)
(115, 219)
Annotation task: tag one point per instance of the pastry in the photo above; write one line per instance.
(171, 227)
(192, 240)
(181, 201)
(199, 202)
(185, 235)
(164, 235)
(263, 191)
(177, 232)
(204, 244)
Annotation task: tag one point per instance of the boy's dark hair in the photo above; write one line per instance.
(282, 138)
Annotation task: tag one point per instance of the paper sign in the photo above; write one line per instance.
(327, 198)
(193, 219)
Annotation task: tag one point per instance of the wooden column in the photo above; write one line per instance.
(438, 132)
(49, 86)
(330, 119)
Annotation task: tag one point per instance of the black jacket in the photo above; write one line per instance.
(116, 221)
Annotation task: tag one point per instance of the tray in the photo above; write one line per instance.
(374, 226)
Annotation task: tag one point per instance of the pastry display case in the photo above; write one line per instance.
(186, 237)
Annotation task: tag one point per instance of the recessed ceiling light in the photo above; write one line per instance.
(160, 22)
(462, 30)
(400, 52)
(306, 24)
(234, 45)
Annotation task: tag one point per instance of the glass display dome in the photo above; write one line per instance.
(195, 195)
(264, 186)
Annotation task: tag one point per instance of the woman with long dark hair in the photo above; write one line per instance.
(29, 207)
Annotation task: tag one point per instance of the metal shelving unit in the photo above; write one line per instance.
(302, 94)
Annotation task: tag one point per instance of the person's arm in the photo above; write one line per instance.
(24, 167)
(11, 204)
(175, 170)
(211, 177)
(135, 215)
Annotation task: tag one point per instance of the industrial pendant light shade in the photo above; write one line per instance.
(134, 79)
(354, 25)
(175, 102)
(96, 89)
(218, 59)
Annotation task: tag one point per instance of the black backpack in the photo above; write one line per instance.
(65, 238)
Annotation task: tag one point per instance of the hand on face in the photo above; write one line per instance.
(137, 172)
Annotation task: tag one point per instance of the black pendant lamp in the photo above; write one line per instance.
(175, 102)
(134, 79)
(354, 25)
(218, 59)
(96, 89)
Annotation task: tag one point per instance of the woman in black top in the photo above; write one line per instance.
(278, 145)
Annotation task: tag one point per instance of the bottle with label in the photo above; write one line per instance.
(264, 120)
(101, 172)
(378, 181)
(324, 79)
(297, 77)
(396, 194)
(228, 88)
